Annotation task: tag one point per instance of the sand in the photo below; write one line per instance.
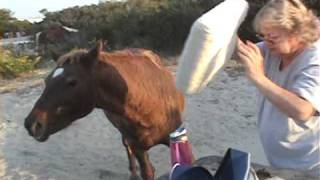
(223, 115)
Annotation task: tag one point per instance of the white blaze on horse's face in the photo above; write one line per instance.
(57, 72)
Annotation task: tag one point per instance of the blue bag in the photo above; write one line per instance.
(234, 166)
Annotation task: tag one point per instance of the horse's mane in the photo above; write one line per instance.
(72, 57)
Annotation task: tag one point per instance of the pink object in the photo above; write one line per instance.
(180, 148)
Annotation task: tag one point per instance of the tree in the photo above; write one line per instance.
(5, 19)
(10, 24)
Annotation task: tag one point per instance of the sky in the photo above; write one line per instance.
(29, 9)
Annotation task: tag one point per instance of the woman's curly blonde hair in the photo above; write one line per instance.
(291, 15)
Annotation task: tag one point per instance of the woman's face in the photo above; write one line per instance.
(280, 41)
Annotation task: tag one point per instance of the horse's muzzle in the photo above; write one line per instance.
(36, 129)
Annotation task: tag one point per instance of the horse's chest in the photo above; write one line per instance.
(126, 126)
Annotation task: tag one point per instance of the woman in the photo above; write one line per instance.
(285, 68)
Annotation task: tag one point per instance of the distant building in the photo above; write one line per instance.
(19, 44)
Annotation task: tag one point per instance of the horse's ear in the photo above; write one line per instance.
(94, 53)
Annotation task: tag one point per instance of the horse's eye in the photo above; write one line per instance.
(72, 82)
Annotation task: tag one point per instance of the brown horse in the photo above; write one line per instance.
(136, 92)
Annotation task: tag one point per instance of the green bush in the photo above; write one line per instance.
(12, 65)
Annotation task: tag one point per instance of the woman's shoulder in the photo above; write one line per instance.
(312, 54)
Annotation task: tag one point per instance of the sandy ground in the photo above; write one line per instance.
(219, 117)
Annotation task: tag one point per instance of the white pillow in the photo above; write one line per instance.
(210, 43)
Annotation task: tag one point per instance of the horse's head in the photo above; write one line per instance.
(69, 94)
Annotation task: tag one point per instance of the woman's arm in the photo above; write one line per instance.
(288, 102)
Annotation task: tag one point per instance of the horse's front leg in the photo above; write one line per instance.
(131, 158)
(147, 170)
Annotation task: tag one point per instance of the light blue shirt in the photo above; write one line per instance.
(287, 142)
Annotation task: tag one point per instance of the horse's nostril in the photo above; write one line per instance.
(38, 131)
(38, 126)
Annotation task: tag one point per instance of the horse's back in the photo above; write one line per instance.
(135, 54)
(139, 66)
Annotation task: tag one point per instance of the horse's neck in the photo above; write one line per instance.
(111, 88)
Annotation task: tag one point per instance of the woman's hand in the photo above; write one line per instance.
(251, 57)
